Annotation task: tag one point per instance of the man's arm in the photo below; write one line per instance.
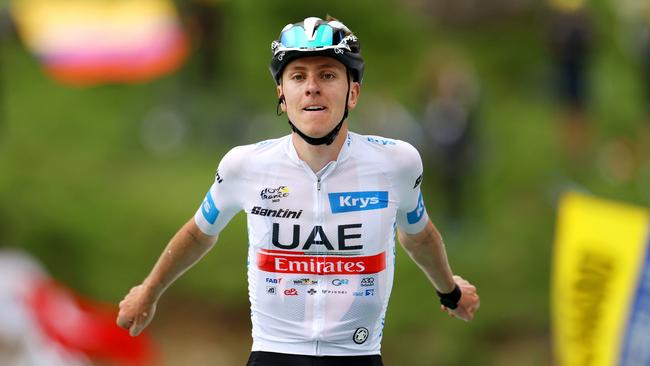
(183, 251)
(427, 250)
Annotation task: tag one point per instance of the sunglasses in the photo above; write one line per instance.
(295, 38)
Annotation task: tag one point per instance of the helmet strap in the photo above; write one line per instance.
(331, 136)
(278, 111)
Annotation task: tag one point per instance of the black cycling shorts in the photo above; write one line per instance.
(259, 358)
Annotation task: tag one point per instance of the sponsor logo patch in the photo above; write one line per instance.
(274, 280)
(358, 201)
(218, 177)
(280, 213)
(283, 261)
(339, 282)
(366, 292)
(334, 292)
(271, 290)
(367, 281)
(417, 181)
(274, 194)
(415, 215)
(379, 141)
(311, 291)
(209, 210)
(360, 335)
(305, 282)
(291, 292)
(345, 235)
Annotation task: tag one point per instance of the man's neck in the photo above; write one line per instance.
(317, 156)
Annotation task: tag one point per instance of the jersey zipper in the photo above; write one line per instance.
(320, 299)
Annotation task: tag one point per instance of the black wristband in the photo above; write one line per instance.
(450, 299)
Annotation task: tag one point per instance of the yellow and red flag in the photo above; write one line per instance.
(88, 42)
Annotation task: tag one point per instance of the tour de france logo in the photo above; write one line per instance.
(274, 193)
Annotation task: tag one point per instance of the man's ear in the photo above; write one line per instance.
(355, 90)
(281, 100)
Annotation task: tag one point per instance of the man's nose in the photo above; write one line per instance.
(313, 87)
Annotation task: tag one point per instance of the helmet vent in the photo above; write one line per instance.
(310, 27)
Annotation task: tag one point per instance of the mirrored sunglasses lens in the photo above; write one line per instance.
(295, 37)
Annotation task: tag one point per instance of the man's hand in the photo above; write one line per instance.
(136, 310)
(469, 301)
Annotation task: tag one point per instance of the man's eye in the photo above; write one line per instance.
(328, 76)
(297, 77)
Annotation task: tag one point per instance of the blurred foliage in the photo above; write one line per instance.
(81, 191)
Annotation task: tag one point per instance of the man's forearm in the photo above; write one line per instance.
(428, 251)
(184, 250)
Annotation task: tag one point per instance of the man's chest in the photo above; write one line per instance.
(344, 213)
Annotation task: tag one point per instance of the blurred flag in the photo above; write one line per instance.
(83, 325)
(601, 283)
(89, 42)
(44, 323)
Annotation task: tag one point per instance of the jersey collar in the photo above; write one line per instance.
(343, 154)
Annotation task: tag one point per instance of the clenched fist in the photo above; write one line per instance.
(136, 310)
(469, 301)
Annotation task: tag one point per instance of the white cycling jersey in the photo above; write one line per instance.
(321, 245)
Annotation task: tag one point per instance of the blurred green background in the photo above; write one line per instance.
(83, 190)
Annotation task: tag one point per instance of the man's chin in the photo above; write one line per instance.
(315, 132)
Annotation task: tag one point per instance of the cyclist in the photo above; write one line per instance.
(323, 206)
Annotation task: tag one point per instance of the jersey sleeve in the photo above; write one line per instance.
(411, 213)
(223, 200)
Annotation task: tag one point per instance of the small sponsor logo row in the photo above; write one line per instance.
(365, 282)
(272, 290)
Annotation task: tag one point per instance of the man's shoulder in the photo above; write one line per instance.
(254, 151)
(388, 146)
(270, 143)
(395, 157)
(374, 141)
(246, 161)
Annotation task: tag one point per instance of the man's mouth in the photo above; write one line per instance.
(314, 108)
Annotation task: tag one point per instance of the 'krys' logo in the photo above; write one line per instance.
(358, 201)
(274, 194)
